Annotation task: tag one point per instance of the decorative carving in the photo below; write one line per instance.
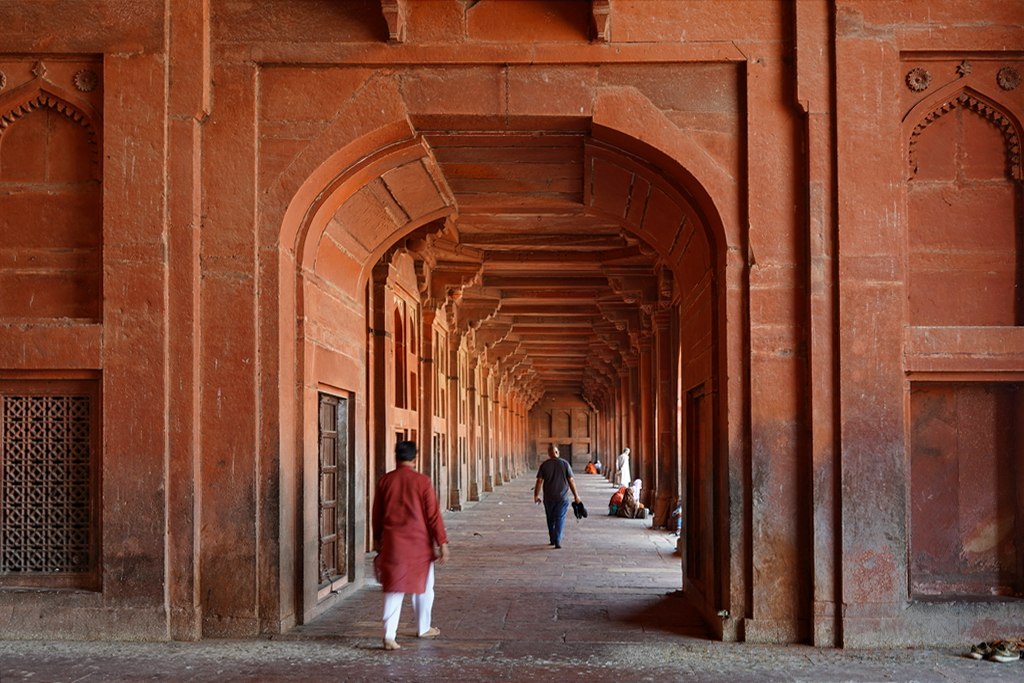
(982, 108)
(665, 287)
(394, 15)
(39, 70)
(963, 68)
(86, 80)
(918, 79)
(1008, 78)
(3, 80)
(44, 99)
(46, 494)
(601, 14)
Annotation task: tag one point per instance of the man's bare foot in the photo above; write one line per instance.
(431, 632)
(391, 645)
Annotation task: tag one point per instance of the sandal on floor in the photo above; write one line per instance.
(431, 632)
(391, 645)
(1004, 653)
(980, 651)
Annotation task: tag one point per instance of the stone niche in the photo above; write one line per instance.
(50, 192)
(966, 466)
(964, 205)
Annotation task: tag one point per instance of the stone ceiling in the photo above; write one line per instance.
(558, 298)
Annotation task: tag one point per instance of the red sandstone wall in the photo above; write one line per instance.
(213, 342)
(59, 333)
(895, 237)
(563, 421)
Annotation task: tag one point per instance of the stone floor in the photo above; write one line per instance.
(605, 607)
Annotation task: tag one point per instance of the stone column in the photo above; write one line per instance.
(666, 489)
(429, 459)
(647, 465)
(188, 106)
(474, 432)
(486, 439)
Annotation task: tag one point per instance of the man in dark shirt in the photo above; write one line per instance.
(555, 476)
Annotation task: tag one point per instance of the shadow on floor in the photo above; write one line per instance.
(670, 614)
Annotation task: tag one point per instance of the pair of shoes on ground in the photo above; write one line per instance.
(432, 632)
(996, 652)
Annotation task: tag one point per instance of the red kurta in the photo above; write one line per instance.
(406, 526)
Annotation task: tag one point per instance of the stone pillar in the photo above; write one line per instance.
(456, 428)
(229, 412)
(474, 432)
(429, 459)
(814, 57)
(647, 465)
(188, 106)
(383, 354)
(486, 441)
(666, 490)
(501, 441)
(622, 402)
(631, 405)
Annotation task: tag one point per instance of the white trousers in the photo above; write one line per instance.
(422, 605)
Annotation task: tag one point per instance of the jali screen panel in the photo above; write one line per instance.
(48, 484)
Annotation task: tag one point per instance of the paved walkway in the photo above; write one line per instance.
(605, 607)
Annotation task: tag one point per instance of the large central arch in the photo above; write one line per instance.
(352, 197)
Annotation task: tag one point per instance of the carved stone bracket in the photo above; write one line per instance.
(394, 13)
(666, 288)
(476, 310)
(449, 279)
(601, 14)
(493, 332)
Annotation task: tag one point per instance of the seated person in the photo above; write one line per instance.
(630, 507)
(590, 469)
(616, 500)
(597, 466)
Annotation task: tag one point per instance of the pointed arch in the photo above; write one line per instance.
(57, 150)
(31, 97)
(345, 198)
(930, 110)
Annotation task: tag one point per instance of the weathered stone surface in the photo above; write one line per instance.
(777, 256)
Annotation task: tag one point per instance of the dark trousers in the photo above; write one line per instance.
(554, 510)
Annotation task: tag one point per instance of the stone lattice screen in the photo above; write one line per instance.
(47, 488)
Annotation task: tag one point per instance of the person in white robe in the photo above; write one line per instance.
(622, 476)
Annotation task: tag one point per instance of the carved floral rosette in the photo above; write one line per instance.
(1008, 78)
(918, 79)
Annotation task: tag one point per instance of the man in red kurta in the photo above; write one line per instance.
(407, 527)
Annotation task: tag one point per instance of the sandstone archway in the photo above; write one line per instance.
(539, 259)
